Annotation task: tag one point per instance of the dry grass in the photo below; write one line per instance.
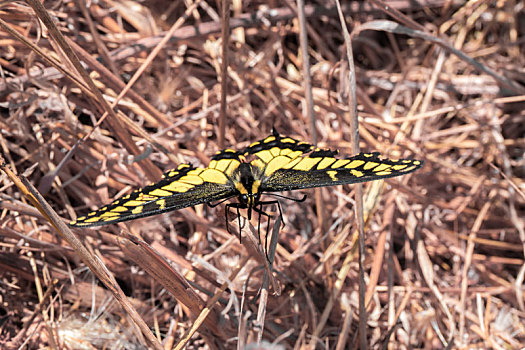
(445, 246)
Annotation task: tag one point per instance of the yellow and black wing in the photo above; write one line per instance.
(179, 188)
(284, 164)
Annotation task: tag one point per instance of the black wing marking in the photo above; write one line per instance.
(269, 147)
(183, 187)
(320, 168)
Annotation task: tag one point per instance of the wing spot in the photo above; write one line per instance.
(340, 163)
(354, 164)
(306, 163)
(275, 151)
(137, 210)
(90, 220)
(383, 173)
(109, 214)
(160, 193)
(295, 154)
(399, 167)
(234, 164)
(285, 151)
(192, 180)
(146, 197)
(214, 176)
(332, 174)
(161, 203)
(196, 172)
(133, 203)
(223, 164)
(269, 139)
(382, 167)
(276, 164)
(119, 209)
(177, 186)
(265, 155)
(357, 173)
(325, 163)
(370, 165)
(292, 163)
(288, 140)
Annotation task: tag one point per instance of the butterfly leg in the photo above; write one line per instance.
(226, 210)
(239, 222)
(237, 206)
(261, 212)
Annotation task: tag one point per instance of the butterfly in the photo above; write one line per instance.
(274, 164)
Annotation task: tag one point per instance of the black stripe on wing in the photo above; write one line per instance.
(320, 169)
(274, 144)
(183, 187)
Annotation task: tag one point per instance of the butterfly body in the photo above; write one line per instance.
(276, 163)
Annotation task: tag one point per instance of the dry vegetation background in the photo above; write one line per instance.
(445, 246)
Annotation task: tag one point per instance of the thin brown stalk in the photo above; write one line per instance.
(225, 35)
(354, 137)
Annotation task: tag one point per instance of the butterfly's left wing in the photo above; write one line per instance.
(321, 168)
(183, 187)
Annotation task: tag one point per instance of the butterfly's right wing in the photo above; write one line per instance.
(179, 188)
